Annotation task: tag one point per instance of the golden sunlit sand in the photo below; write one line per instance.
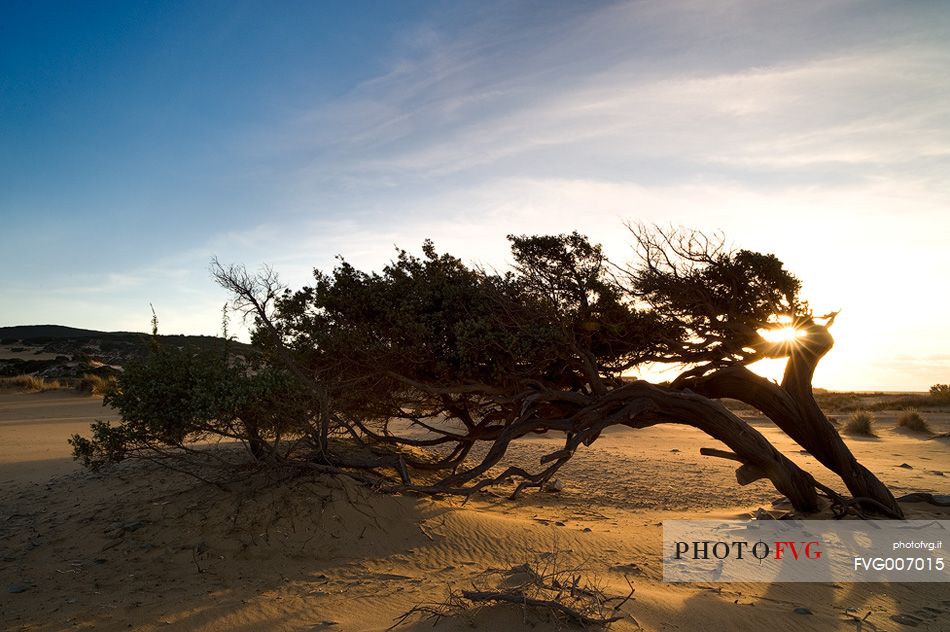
(145, 548)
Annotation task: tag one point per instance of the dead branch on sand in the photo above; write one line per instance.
(544, 587)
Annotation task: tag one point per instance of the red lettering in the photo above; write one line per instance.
(780, 549)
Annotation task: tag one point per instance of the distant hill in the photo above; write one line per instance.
(26, 333)
(51, 349)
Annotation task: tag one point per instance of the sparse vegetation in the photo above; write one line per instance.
(937, 399)
(940, 392)
(860, 424)
(31, 383)
(83, 345)
(96, 384)
(914, 421)
(837, 402)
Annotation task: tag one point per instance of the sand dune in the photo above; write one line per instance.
(144, 548)
(34, 428)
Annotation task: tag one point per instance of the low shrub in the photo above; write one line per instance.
(175, 397)
(95, 384)
(32, 383)
(912, 420)
(838, 402)
(940, 392)
(860, 423)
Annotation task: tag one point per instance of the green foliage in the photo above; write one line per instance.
(109, 444)
(567, 278)
(433, 308)
(427, 332)
(718, 298)
(860, 423)
(174, 394)
(567, 270)
(432, 320)
(175, 397)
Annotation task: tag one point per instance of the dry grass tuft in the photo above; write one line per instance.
(32, 383)
(95, 384)
(860, 423)
(912, 420)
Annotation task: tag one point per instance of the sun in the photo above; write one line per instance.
(782, 334)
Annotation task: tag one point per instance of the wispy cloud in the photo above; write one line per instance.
(103, 284)
(632, 83)
(818, 131)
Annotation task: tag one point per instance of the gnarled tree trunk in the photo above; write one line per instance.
(641, 405)
(792, 407)
(759, 457)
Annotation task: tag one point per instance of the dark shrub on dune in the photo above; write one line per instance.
(174, 398)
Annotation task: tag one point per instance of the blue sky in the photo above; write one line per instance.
(139, 139)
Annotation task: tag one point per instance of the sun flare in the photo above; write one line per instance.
(783, 334)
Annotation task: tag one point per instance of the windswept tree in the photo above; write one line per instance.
(729, 302)
(423, 362)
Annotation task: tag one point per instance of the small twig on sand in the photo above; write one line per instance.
(521, 599)
(194, 558)
(544, 585)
